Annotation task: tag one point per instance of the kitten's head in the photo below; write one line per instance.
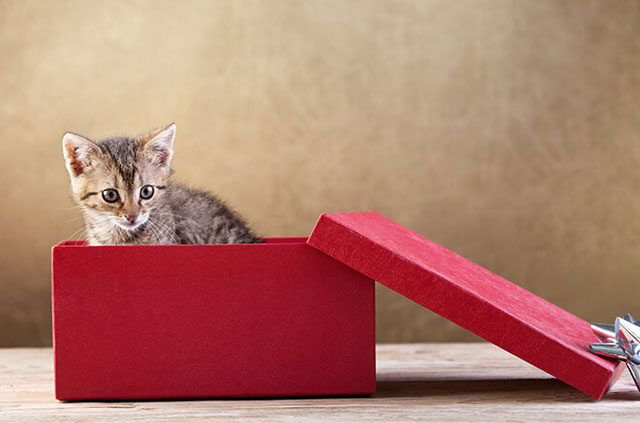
(118, 181)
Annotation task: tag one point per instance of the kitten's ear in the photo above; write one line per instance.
(78, 153)
(157, 145)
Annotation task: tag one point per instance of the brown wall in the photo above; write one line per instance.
(508, 131)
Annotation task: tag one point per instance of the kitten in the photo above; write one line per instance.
(123, 187)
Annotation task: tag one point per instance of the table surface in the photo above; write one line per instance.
(416, 382)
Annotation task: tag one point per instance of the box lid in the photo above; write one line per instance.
(469, 295)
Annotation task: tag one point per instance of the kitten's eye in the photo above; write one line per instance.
(146, 192)
(110, 195)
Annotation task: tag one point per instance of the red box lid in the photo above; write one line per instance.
(469, 295)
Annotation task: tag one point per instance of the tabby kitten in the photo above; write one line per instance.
(123, 187)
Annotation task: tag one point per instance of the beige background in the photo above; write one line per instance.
(508, 131)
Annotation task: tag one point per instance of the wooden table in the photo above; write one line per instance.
(437, 382)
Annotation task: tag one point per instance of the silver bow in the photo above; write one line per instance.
(620, 341)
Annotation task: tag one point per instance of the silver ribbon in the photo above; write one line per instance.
(620, 341)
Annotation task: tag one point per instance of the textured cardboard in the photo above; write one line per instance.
(514, 319)
(193, 321)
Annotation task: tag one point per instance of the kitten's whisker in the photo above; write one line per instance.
(72, 208)
(165, 213)
(161, 230)
(168, 231)
(159, 235)
(153, 231)
(70, 237)
(163, 225)
(156, 233)
(75, 218)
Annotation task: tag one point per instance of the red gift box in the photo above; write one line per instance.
(189, 321)
(283, 318)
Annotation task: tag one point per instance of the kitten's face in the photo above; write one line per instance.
(118, 181)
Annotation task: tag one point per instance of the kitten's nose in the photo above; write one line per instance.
(131, 217)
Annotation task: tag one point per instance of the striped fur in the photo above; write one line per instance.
(174, 214)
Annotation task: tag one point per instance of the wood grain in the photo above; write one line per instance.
(416, 382)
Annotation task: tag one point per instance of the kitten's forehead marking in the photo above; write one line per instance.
(123, 153)
(139, 179)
